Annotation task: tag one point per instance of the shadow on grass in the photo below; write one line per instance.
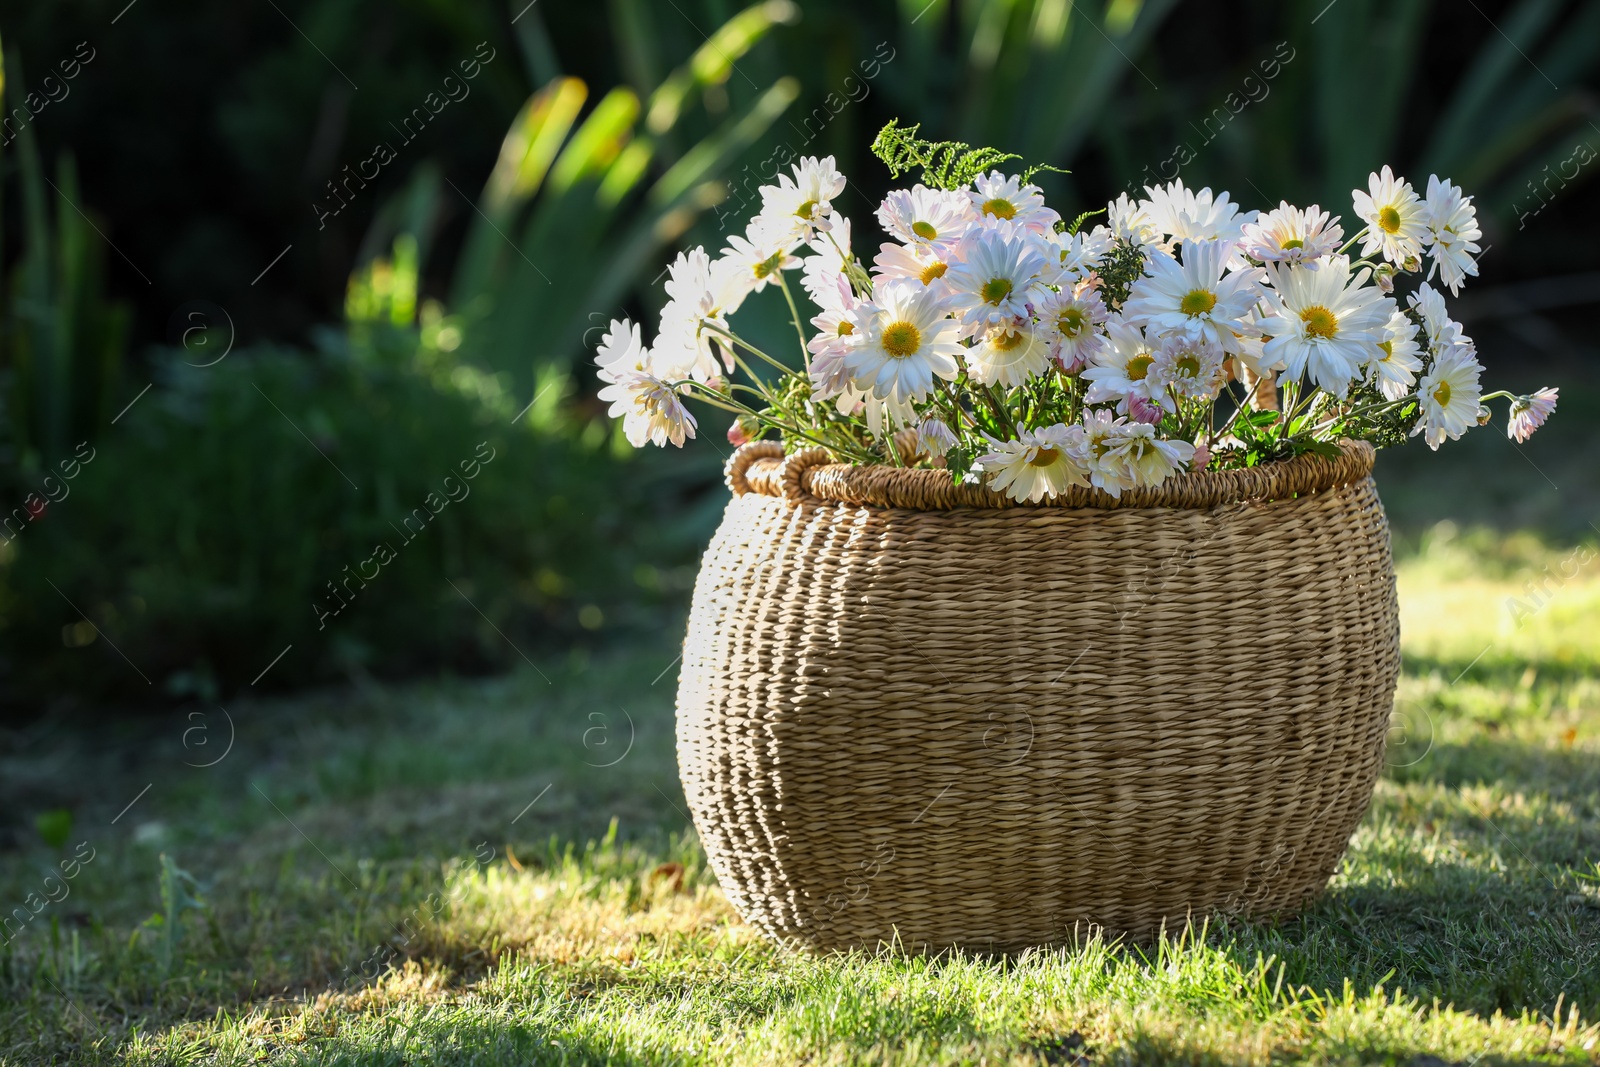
(1480, 940)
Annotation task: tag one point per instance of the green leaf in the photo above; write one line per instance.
(54, 826)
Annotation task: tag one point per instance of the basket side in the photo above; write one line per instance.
(985, 726)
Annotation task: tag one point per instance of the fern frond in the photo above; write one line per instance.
(1027, 175)
(945, 164)
(1077, 223)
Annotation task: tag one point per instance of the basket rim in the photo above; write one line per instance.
(763, 468)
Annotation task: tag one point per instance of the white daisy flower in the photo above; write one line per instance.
(1129, 220)
(1182, 214)
(936, 437)
(929, 218)
(836, 335)
(1186, 368)
(1325, 322)
(1442, 331)
(1394, 216)
(1041, 463)
(1009, 355)
(1394, 370)
(923, 264)
(703, 293)
(761, 254)
(1449, 395)
(1452, 225)
(1529, 412)
(649, 408)
(1291, 235)
(884, 415)
(996, 197)
(907, 338)
(1122, 370)
(1107, 470)
(995, 277)
(1148, 459)
(1195, 296)
(621, 350)
(838, 331)
(821, 271)
(801, 206)
(1073, 317)
(1080, 253)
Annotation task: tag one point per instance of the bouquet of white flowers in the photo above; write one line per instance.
(994, 339)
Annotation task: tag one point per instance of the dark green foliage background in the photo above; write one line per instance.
(203, 134)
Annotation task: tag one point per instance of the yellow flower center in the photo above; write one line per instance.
(1320, 322)
(1441, 393)
(924, 230)
(1071, 321)
(846, 328)
(1388, 349)
(1043, 457)
(806, 209)
(995, 290)
(768, 265)
(901, 339)
(1000, 208)
(1197, 302)
(933, 270)
(1294, 242)
(1006, 341)
(1389, 219)
(1139, 366)
(1187, 366)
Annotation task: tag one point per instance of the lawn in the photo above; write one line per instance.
(500, 871)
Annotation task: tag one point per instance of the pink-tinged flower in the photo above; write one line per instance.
(1529, 412)
(1143, 410)
(736, 434)
(1073, 318)
(1200, 459)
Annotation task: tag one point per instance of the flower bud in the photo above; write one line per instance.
(742, 431)
(936, 437)
(1142, 410)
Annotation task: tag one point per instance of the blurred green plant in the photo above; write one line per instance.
(1345, 94)
(578, 206)
(61, 339)
(218, 517)
(180, 892)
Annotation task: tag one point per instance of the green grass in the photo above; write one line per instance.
(376, 888)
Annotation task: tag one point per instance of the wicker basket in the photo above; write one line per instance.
(917, 712)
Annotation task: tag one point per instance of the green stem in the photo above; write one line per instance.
(1385, 406)
(721, 401)
(746, 345)
(799, 331)
(987, 392)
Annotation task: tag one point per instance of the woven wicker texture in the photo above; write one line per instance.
(914, 711)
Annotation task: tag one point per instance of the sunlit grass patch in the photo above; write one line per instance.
(441, 886)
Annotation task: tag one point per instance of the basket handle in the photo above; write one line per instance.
(783, 478)
(735, 471)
